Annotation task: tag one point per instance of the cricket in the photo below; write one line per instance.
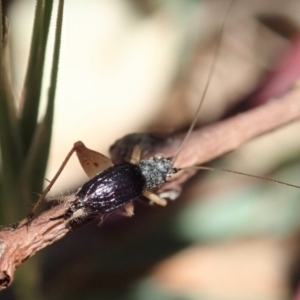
(114, 187)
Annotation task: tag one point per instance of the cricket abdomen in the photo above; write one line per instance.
(111, 189)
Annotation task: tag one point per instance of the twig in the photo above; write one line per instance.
(204, 145)
(18, 245)
(212, 141)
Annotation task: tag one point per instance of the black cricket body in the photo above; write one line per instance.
(119, 185)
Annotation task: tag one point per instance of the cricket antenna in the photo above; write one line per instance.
(208, 81)
(243, 174)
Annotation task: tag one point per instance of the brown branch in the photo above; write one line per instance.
(204, 144)
(215, 140)
(18, 245)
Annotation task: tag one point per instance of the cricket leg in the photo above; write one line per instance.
(91, 161)
(128, 210)
(156, 199)
(47, 189)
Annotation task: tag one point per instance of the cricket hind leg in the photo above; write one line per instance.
(77, 215)
(46, 191)
(75, 223)
(69, 214)
(74, 217)
(92, 163)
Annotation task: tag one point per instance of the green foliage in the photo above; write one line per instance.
(24, 142)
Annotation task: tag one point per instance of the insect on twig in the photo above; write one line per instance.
(113, 187)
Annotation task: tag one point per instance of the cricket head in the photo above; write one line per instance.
(157, 170)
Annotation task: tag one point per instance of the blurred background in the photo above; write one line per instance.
(140, 66)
